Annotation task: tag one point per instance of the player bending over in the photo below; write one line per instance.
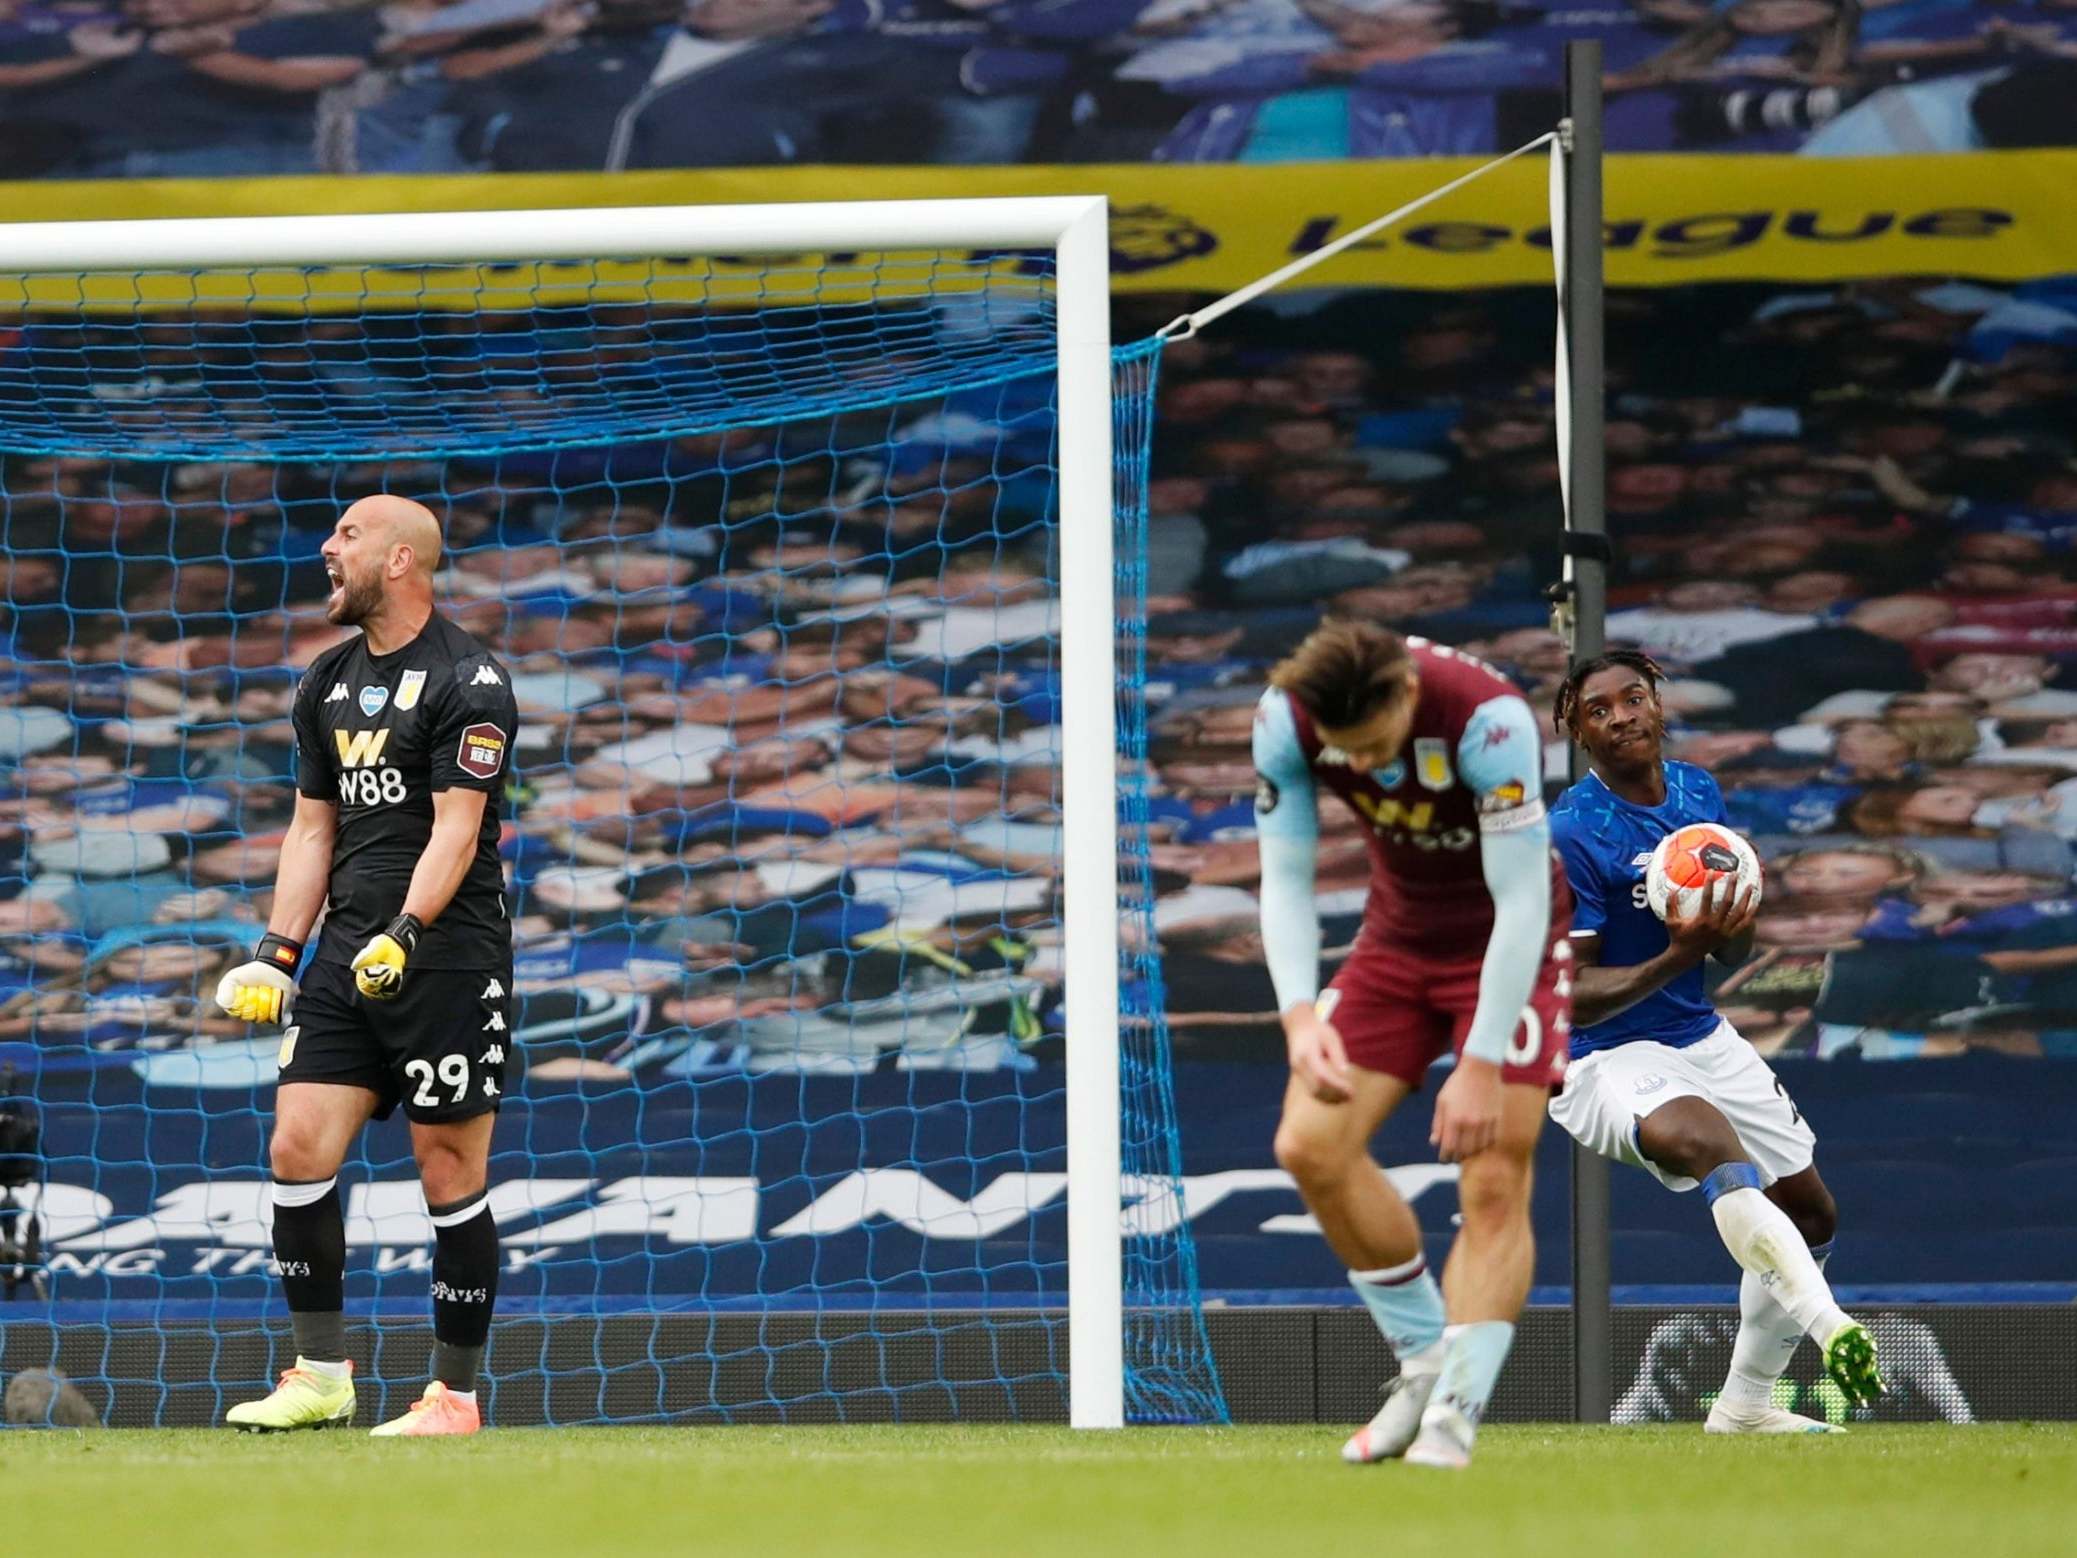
(1462, 948)
(1658, 1079)
(403, 736)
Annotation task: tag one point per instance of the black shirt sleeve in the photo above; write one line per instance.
(472, 745)
(314, 775)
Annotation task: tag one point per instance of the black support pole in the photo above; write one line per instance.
(1593, 1365)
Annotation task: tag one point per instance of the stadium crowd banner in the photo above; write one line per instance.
(815, 1217)
(1672, 219)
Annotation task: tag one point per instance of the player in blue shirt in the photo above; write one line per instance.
(1661, 1081)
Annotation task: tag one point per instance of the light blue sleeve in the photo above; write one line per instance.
(1518, 875)
(1501, 757)
(1286, 803)
(1287, 835)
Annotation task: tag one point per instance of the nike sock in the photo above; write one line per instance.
(310, 1249)
(1761, 1238)
(465, 1286)
(1407, 1306)
(1470, 1369)
(1768, 1337)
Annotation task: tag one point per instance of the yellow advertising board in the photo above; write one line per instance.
(1209, 228)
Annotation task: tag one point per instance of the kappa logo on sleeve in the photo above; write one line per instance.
(482, 751)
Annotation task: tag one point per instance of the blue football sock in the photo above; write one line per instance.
(1407, 1306)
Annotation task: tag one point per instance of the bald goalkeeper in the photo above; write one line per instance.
(404, 740)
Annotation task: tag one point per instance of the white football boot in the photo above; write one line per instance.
(1444, 1440)
(1726, 1419)
(1388, 1434)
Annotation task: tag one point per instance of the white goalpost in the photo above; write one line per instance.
(1074, 232)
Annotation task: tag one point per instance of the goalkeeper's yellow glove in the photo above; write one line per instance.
(378, 968)
(264, 989)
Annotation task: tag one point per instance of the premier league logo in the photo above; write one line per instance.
(1146, 238)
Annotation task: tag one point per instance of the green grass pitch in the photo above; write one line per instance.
(859, 1492)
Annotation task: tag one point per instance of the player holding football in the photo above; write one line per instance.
(1658, 1079)
(1462, 948)
(403, 741)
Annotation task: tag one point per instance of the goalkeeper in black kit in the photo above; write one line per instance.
(404, 740)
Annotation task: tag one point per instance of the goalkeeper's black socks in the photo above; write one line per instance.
(465, 1286)
(310, 1248)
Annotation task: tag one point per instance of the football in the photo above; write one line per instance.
(1692, 860)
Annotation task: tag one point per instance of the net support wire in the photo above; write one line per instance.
(1574, 544)
(1184, 326)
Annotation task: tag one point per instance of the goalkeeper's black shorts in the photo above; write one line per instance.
(439, 1047)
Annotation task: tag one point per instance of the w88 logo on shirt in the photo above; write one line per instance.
(370, 786)
(361, 781)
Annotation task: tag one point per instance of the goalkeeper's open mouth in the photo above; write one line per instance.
(336, 576)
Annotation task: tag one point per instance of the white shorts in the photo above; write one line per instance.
(1609, 1090)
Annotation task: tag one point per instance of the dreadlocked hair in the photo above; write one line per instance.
(1625, 659)
(1345, 672)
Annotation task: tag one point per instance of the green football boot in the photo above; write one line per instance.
(1850, 1361)
(304, 1398)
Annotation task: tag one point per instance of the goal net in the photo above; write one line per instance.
(822, 1107)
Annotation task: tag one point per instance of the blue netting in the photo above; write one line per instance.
(777, 586)
(326, 364)
(1170, 1376)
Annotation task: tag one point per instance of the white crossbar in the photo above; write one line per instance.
(611, 232)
